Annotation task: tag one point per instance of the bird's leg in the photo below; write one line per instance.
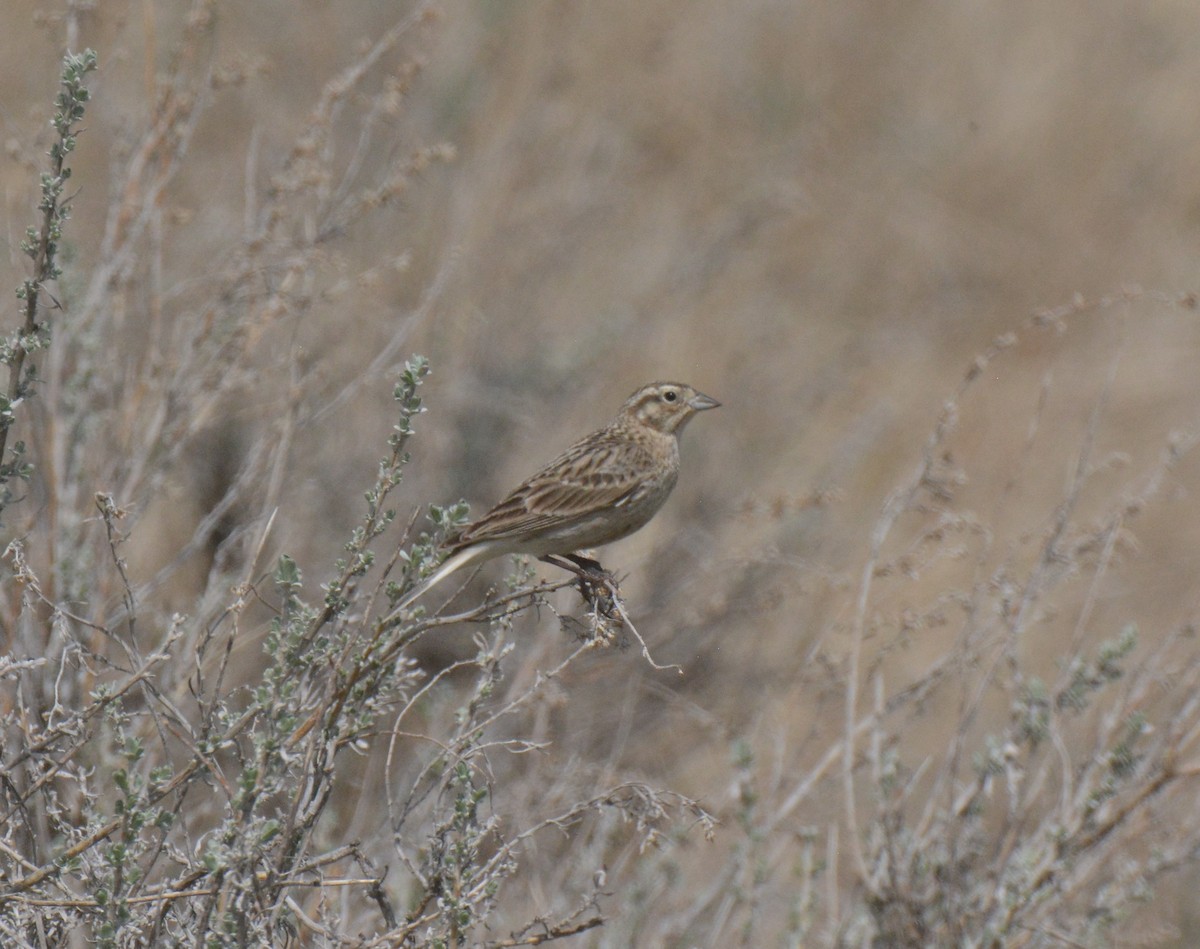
(593, 578)
(597, 586)
(590, 566)
(586, 569)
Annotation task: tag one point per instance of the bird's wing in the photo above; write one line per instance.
(599, 473)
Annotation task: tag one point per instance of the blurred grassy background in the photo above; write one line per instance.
(818, 213)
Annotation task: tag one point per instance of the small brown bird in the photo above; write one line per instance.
(602, 488)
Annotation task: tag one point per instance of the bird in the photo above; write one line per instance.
(603, 488)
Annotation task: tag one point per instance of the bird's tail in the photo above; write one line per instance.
(452, 564)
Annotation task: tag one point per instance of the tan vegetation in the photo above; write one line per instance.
(919, 662)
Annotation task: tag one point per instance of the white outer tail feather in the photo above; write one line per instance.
(452, 564)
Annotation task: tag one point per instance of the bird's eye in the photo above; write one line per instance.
(670, 395)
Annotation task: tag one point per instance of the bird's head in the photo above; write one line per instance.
(666, 406)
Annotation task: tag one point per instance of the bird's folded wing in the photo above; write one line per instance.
(573, 488)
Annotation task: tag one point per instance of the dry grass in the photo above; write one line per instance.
(936, 626)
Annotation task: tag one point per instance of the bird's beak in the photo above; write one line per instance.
(700, 402)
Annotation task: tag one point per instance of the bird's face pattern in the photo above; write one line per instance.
(666, 406)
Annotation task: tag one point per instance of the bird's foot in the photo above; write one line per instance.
(597, 586)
